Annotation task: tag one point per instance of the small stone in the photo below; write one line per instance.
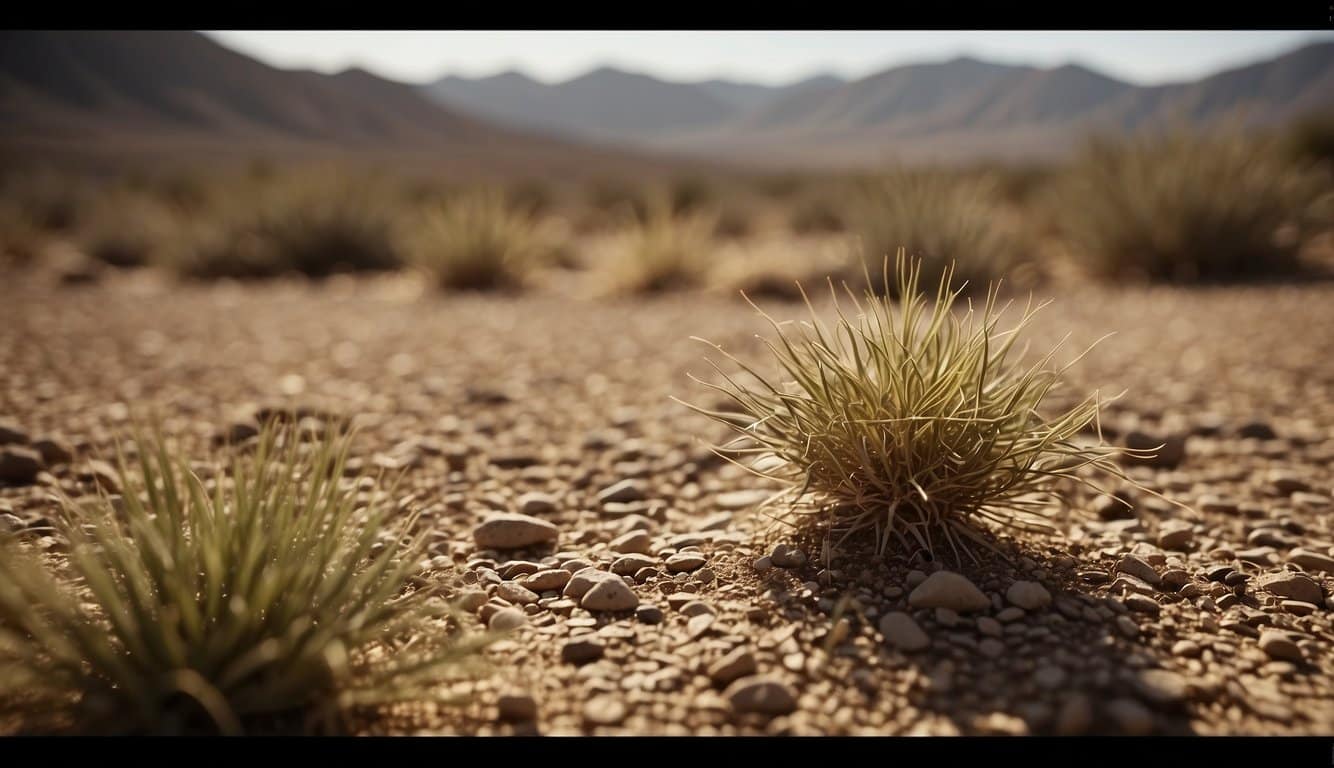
(1294, 586)
(471, 599)
(739, 663)
(515, 593)
(19, 465)
(696, 607)
(535, 503)
(10, 523)
(1142, 604)
(763, 564)
(511, 531)
(1278, 645)
(627, 565)
(604, 709)
(649, 614)
(991, 648)
(685, 562)
(12, 434)
(1127, 626)
(902, 632)
(1049, 677)
(517, 707)
(1108, 507)
(102, 474)
(1028, 595)
(1256, 430)
(581, 651)
(1075, 716)
(548, 580)
(609, 595)
(621, 492)
(1286, 483)
(787, 557)
(54, 450)
(506, 619)
(989, 626)
(1168, 450)
(1186, 649)
(1297, 607)
(761, 695)
(946, 589)
(1161, 687)
(1133, 718)
(698, 625)
(1139, 569)
(1311, 560)
(1176, 537)
(741, 499)
(632, 543)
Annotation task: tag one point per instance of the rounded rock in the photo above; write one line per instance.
(946, 589)
(511, 531)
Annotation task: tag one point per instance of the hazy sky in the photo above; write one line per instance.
(1143, 57)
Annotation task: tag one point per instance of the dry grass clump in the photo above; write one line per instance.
(125, 229)
(664, 251)
(1185, 208)
(910, 421)
(309, 226)
(224, 605)
(476, 242)
(949, 222)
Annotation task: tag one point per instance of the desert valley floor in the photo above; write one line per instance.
(1212, 620)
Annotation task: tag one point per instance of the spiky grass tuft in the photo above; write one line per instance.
(911, 422)
(274, 592)
(665, 251)
(477, 242)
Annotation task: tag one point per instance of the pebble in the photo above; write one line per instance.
(54, 450)
(1133, 718)
(10, 523)
(1028, 595)
(534, 503)
(761, 695)
(1142, 604)
(739, 663)
(516, 594)
(1176, 537)
(698, 625)
(741, 499)
(649, 614)
(632, 543)
(787, 557)
(506, 619)
(511, 531)
(902, 632)
(1294, 586)
(1161, 686)
(581, 651)
(1139, 569)
(946, 589)
(1257, 430)
(1312, 560)
(1188, 649)
(1278, 645)
(763, 564)
(517, 707)
(622, 492)
(684, 562)
(1049, 677)
(583, 580)
(19, 465)
(11, 433)
(1169, 451)
(609, 595)
(548, 580)
(604, 709)
(627, 565)
(1127, 626)
(989, 626)
(1075, 716)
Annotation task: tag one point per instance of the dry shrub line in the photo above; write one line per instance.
(914, 428)
(186, 608)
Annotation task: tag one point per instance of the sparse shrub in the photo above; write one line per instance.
(664, 252)
(816, 214)
(732, 222)
(1184, 208)
(308, 226)
(946, 221)
(910, 421)
(612, 199)
(1311, 139)
(477, 243)
(125, 229)
(691, 194)
(222, 606)
(531, 197)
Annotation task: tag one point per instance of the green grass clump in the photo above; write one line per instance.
(1185, 208)
(476, 242)
(911, 421)
(241, 603)
(311, 226)
(948, 222)
(664, 251)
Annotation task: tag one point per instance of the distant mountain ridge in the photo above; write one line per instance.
(963, 107)
(129, 94)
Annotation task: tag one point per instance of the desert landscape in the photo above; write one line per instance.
(333, 404)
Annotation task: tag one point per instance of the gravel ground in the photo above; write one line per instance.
(699, 616)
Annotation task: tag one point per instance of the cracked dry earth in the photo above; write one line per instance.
(698, 616)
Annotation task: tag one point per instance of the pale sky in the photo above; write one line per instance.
(772, 57)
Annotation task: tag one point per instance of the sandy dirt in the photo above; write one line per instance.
(1212, 621)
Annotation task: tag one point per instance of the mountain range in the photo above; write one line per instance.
(962, 107)
(138, 97)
